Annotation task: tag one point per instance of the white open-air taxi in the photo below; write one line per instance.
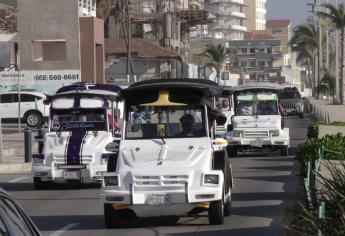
(169, 162)
(81, 123)
(258, 122)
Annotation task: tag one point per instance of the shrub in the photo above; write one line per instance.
(333, 195)
(310, 149)
(313, 129)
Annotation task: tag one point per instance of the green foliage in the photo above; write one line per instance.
(216, 57)
(313, 129)
(334, 144)
(333, 195)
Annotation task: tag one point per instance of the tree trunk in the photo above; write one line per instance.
(310, 78)
(218, 76)
(341, 82)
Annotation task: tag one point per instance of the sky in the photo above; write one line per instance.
(295, 10)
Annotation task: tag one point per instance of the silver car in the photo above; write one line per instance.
(292, 102)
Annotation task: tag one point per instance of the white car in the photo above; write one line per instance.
(258, 122)
(169, 163)
(33, 111)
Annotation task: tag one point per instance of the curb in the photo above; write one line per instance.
(11, 168)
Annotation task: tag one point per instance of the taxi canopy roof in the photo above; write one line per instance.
(178, 91)
(257, 87)
(254, 97)
(87, 90)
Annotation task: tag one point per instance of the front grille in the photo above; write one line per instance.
(289, 106)
(256, 134)
(62, 160)
(165, 180)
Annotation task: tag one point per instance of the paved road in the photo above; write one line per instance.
(264, 184)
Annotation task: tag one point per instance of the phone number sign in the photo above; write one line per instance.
(44, 81)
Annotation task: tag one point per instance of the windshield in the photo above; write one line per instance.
(289, 95)
(253, 108)
(89, 120)
(153, 122)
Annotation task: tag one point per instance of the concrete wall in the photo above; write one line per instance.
(143, 69)
(92, 49)
(48, 20)
(250, 12)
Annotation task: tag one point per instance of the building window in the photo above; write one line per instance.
(244, 50)
(269, 50)
(252, 50)
(49, 50)
(243, 64)
(261, 63)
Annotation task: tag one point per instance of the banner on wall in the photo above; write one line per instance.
(43, 81)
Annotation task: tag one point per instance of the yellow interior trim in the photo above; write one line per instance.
(204, 205)
(163, 100)
(120, 206)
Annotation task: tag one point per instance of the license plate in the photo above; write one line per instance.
(157, 199)
(72, 174)
(256, 143)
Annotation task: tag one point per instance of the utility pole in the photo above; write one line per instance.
(129, 36)
(337, 77)
(327, 45)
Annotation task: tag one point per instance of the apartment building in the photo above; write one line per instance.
(255, 12)
(259, 56)
(229, 19)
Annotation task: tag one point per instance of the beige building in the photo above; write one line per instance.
(255, 12)
(280, 29)
(62, 45)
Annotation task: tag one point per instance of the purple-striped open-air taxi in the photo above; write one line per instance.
(82, 121)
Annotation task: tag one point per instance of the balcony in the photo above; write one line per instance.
(235, 13)
(240, 2)
(239, 28)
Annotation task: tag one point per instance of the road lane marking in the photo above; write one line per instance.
(17, 180)
(64, 229)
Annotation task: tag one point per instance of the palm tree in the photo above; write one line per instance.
(336, 16)
(327, 85)
(305, 42)
(305, 57)
(216, 57)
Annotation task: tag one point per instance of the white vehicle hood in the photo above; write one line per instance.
(74, 147)
(272, 122)
(176, 154)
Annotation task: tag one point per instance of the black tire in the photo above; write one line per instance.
(111, 216)
(221, 162)
(216, 213)
(39, 184)
(34, 119)
(284, 151)
(227, 204)
(111, 164)
(231, 150)
(301, 115)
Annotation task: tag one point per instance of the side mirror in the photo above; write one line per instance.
(230, 128)
(112, 147)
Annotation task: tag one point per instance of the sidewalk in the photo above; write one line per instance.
(324, 111)
(327, 112)
(13, 154)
